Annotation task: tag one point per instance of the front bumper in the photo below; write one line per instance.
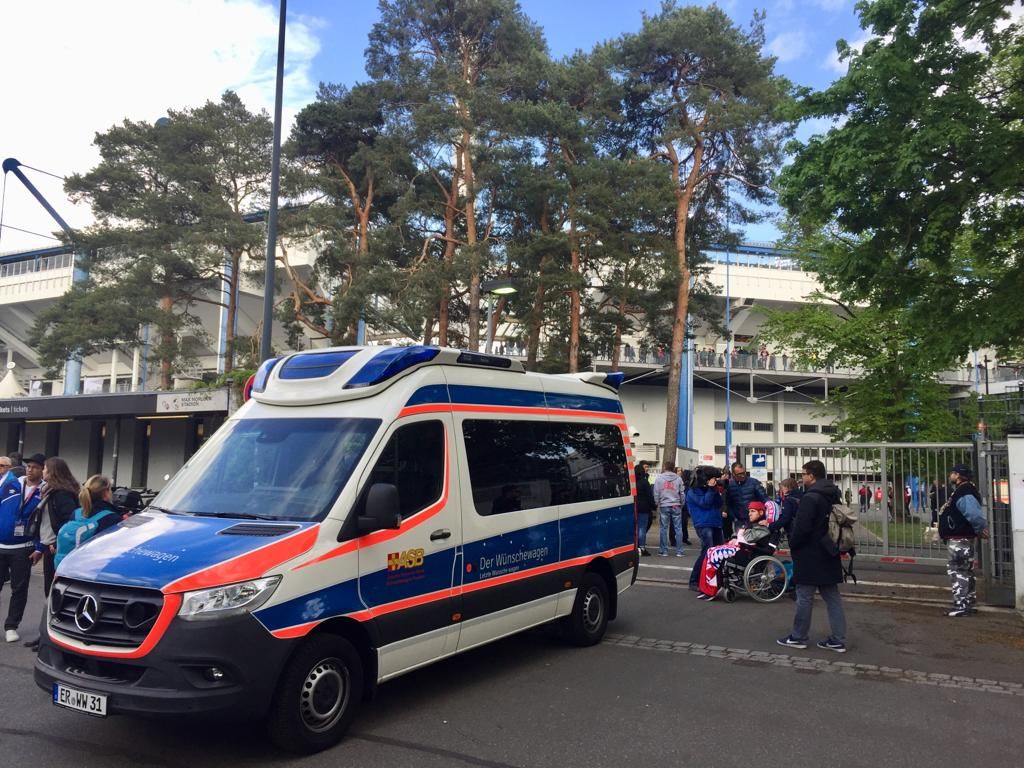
(173, 677)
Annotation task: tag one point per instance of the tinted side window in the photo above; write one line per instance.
(512, 466)
(413, 461)
(515, 465)
(596, 456)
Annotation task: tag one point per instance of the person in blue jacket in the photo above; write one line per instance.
(961, 522)
(742, 490)
(705, 505)
(18, 499)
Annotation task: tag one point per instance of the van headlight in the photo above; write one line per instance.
(229, 600)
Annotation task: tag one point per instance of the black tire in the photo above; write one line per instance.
(729, 595)
(318, 695)
(765, 579)
(588, 621)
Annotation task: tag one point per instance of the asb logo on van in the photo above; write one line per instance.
(410, 558)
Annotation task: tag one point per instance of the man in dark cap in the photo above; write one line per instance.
(961, 521)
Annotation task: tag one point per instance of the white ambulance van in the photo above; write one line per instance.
(367, 512)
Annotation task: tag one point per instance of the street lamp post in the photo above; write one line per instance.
(275, 181)
(500, 287)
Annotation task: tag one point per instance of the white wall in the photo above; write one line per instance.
(645, 408)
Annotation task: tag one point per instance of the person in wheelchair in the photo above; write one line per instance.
(752, 540)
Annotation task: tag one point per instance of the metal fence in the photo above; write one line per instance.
(997, 552)
(897, 489)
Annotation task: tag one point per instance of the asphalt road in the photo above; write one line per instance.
(677, 683)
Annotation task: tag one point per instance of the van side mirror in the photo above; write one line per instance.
(382, 509)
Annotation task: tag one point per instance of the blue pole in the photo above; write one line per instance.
(683, 424)
(728, 360)
(684, 427)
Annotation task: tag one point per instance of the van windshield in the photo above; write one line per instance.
(278, 469)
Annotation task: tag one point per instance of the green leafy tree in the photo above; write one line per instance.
(899, 397)
(913, 200)
(169, 201)
(458, 66)
(702, 100)
(357, 170)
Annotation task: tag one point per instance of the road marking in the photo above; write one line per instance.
(681, 568)
(810, 664)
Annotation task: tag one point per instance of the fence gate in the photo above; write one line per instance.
(898, 488)
(997, 552)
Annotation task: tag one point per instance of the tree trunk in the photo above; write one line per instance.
(683, 197)
(474, 257)
(166, 344)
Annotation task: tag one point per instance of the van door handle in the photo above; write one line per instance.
(440, 533)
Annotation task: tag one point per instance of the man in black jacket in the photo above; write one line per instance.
(644, 505)
(814, 567)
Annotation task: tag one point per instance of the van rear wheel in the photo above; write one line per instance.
(588, 621)
(318, 695)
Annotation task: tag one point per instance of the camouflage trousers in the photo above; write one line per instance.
(961, 572)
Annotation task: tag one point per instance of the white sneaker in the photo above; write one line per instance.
(12, 636)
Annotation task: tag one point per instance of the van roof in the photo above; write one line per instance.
(348, 373)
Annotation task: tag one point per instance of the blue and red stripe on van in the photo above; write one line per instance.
(405, 609)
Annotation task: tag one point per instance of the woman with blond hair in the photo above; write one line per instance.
(96, 514)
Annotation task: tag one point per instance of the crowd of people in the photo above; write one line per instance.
(44, 513)
(733, 514)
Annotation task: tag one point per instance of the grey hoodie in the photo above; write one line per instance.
(668, 490)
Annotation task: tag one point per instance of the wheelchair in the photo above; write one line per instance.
(756, 572)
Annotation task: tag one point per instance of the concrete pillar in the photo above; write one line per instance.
(1015, 444)
(114, 360)
(136, 361)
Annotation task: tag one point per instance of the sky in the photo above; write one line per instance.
(73, 69)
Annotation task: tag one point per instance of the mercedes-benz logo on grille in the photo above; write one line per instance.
(87, 613)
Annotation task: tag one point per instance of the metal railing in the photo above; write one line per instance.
(897, 489)
(997, 551)
(42, 264)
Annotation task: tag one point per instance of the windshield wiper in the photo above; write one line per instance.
(238, 515)
(165, 510)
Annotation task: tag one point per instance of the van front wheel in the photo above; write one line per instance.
(588, 621)
(318, 695)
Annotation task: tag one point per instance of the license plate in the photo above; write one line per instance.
(81, 701)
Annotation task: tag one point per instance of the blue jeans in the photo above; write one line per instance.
(709, 537)
(643, 522)
(805, 607)
(675, 516)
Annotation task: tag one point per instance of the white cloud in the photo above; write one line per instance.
(832, 62)
(788, 46)
(72, 69)
(831, 5)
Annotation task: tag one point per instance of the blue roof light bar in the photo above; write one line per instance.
(390, 362)
(314, 365)
(259, 383)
